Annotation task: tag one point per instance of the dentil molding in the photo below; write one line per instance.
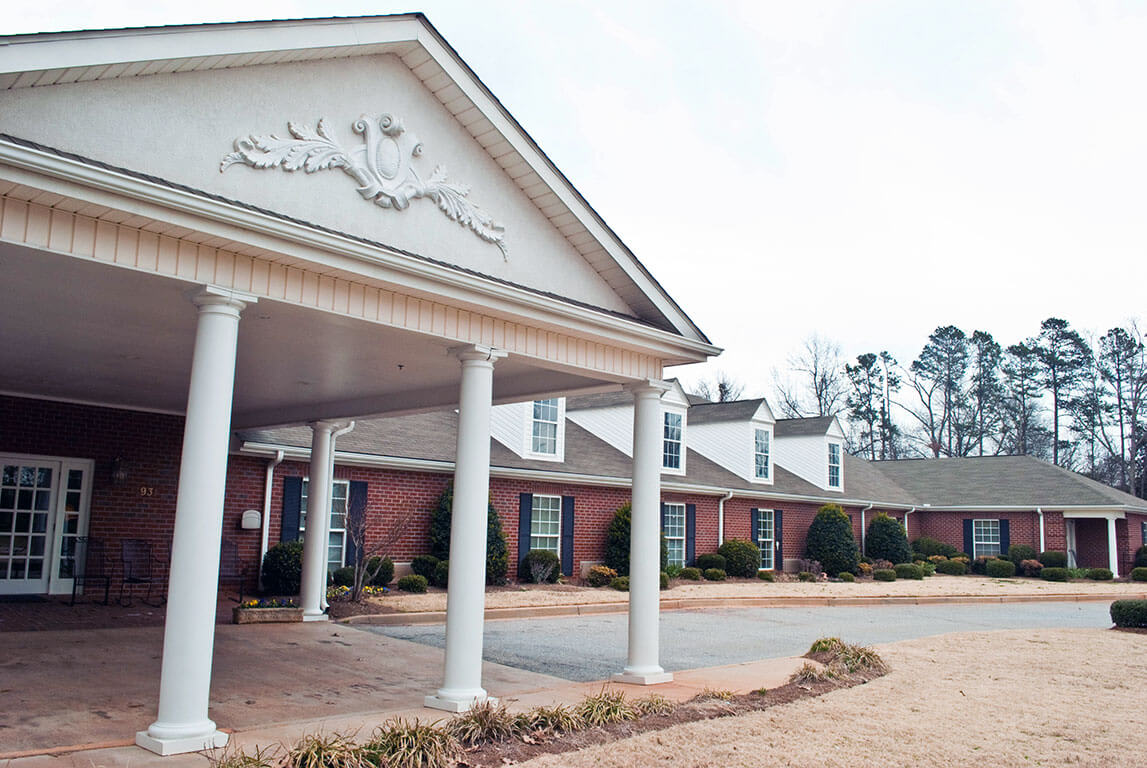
(383, 167)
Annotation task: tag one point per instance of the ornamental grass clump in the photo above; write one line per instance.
(550, 720)
(401, 743)
(714, 694)
(485, 722)
(654, 704)
(228, 758)
(841, 660)
(606, 707)
(333, 750)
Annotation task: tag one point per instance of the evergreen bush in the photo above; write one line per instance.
(806, 576)
(383, 571)
(1053, 559)
(664, 580)
(424, 565)
(843, 576)
(711, 560)
(714, 574)
(283, 568)
(908, 571)
(1140, 557)
(600, 576)
(691, 574)
(540, 566)
(742, 558)
(886, 540)
(766, 575)
(884, 574)
(1129, 613)
(1000, 569)
(1053, 574)
(343, 577)
(621, 584)
(1017, 553)
(412, 583)
(441, 576)
(830, 541)
(1139, 574)
(1100, 574)
(497, 550)
(617, 541)
(928, 546)
(952, 567)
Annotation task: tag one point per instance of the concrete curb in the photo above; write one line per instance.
(684, 604)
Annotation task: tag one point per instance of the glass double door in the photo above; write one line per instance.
(43, 513)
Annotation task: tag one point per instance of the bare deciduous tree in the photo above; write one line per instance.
(379, 547)
(719, 388)
(815, 383)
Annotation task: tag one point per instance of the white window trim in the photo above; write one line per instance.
(827, 472)
(330, 530)
(753, 455)
(683, 413)
(528, 436)
(998, 542)
(772, 542)
(557, 537)
(684, 532)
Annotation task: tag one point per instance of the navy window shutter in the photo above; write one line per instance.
(690, 533)
(1005, 536)
(355, 517)
(567, 535)
(662, 518)
(292, 503)
(525, 512)
(779, 538)
(755, 526)
(968, 545)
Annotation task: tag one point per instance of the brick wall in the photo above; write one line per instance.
(948, 527)
(1091, 543)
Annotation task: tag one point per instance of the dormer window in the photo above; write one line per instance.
(761, 454)
(544, 433)
(671, 453)
(834, 465)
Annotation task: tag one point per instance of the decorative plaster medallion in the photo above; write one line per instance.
(383, 167)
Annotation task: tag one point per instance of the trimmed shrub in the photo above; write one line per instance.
(1141, 557)
(343, 577)
(383, 571)
(1100, 574)
(927, 567)
(806, 576)
(1139, 574)
(691, 574)
(1017, 553)
(766, 575)
(424, 565)
(919, 557)
(864, 569)
(540, 566)
(952, 567)
(673, 571)
(846, 576)
(1053, 559)
(283, 568)
(831, 542)
(1129, 613)
(1053, 574)
(621, 584)
(884, 574)
(600, 576)
(908, 571)
(412, 583)
(714, 574)
(664, 580)
(441, 575)
(497, 550)
(886, 540)
(1031, 567)
(742, 558)
(1077, 573)
(617, 541)
(979, 566)
(711, 560)
(926, 545)
(1000, 569)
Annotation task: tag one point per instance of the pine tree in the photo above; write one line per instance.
(986, 391)
(1064, 357)
(938, 378)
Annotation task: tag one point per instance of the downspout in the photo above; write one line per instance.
(721, 517)
(906, 514)
(267, 486)
(331, 474)
(1042, 544)
(863, 530)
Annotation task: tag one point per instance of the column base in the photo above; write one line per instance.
(182, 744)
(457, 703)
(315, 617)
(642, 678)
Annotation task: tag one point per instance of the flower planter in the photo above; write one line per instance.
(241, 615)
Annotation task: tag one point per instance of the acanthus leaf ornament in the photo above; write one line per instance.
(383, 167)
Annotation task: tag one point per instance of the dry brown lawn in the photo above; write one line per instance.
(1015, 698)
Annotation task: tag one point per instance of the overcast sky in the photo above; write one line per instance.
(865, 171)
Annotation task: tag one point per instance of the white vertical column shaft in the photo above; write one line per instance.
(1112, 544)
(182, 724)
(314, 583)
(466, 590)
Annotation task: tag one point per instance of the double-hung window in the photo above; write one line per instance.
(671, 453)
(761, 454)
(544, 431)
(675, 533)
(546, 523)
(336, 536)
(766, 538)
(834, 465)
(985, 538)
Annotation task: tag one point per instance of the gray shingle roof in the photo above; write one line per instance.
(712, 413)
(817, 425)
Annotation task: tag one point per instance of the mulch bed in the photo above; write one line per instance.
(342, 609)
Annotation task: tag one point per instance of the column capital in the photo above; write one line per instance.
(325, 425)
(648, 388)
(213, 298)
(478, 353)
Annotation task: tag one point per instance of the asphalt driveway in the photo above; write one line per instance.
(584, 648)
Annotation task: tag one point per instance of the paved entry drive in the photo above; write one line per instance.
(587, 648)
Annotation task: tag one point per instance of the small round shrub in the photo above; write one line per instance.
(742, 558)
(884, 574)
(926, 545)
(886, 540)
(1100, 574)
(766, 575)
(413, 583)
(928, 568)
(1000, 569)
(1031, 568)
(424, 565)
(919, 557)
(383, 571)
(979, 566)
(714, 574)
(831, 542)
(908, 571)
(1053, 574)
(711, 560)
(691, 574)
(846, 576)
(343, 577)
(441, 575)
(864, 569)
(600, 576)
(1140, 557)
(664, 580)
(1017, 553)
(806, 576)
(952, 567)
(1053, 559)
(540, 566)
(621, 584)
(1129, 613)
(1139, 574)
(283, 568)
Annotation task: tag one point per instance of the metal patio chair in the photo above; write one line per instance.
(231, 567)
(90, 566)
(140, 568)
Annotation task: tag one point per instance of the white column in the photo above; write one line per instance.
(643, 666)
(189, 632)
(466, 593)
(1112, 551)
(314, 582)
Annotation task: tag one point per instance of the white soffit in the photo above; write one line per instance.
(68, 57)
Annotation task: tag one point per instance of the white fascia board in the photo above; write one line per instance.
(71, 178)
(765, 414)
